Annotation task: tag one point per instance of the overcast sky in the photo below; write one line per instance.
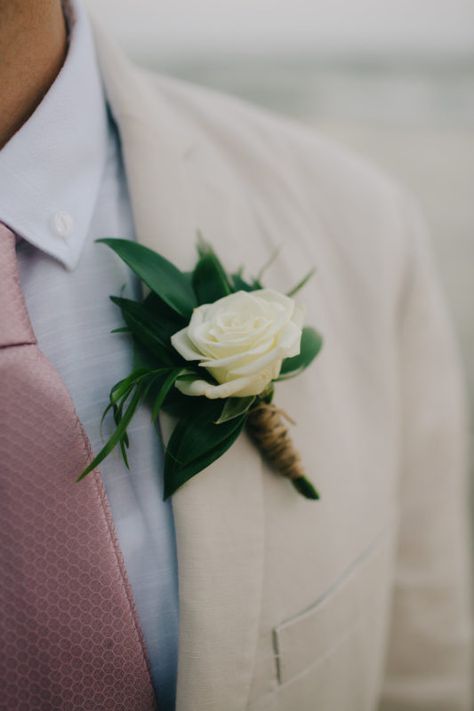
(179, 25)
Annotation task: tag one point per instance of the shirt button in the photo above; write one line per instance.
(62, 224)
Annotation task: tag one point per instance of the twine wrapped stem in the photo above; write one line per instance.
(266, 426)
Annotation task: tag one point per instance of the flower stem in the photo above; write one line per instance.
(266, 427)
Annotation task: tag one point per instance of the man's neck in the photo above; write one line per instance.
(33, 45)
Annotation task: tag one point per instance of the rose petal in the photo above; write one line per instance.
(238, 357)
(185, 347)
(241, 340)
(240, 387)
(290, 340)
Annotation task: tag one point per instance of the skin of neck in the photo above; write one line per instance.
(33, 46)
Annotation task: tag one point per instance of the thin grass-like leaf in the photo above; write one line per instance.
(274, 255)
(124, 441)
(164, 390)
(301, 283)
(117, 435)
(104, 415)
(121, 329)
(120, 388)
(123, 444)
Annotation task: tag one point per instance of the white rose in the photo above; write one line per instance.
(241, 340)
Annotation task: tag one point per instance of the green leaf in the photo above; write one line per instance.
(234, 407)
(120, 389)
(163, 392)
(142, 358)
(123, 451)
(311, 344)
(274, 255)
(301, 283)
(122, 329)
(160, 275)
(109, 407)
(210, 281)
(188, 375)
(124, 441)
(146, 328)
(170, 321)
(176, 404)
(117, 436)
(239, 283)
(196, 442)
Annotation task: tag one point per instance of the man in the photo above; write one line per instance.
(356, 602)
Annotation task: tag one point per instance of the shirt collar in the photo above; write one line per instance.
(51, 169)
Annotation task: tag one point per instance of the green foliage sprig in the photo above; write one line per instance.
(205, 428)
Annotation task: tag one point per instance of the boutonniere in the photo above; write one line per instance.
(210, 347)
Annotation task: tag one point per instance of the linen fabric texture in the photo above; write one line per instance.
(381, 421)
(360, 601)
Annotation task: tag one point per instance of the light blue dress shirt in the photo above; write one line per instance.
(62, 185)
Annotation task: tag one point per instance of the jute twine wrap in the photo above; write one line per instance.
(266, 427)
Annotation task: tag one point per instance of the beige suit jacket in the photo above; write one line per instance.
(359, 601)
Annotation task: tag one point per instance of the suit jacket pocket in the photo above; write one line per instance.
(357, 598)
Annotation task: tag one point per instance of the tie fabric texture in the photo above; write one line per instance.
(69, 637)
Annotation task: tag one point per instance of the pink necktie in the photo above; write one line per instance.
(69, 637)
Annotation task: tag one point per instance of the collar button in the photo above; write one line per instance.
(62, 224)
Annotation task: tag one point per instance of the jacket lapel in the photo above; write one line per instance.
(219, 514)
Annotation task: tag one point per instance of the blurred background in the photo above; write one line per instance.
(393, 79)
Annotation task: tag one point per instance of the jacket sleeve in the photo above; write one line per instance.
(428, 657)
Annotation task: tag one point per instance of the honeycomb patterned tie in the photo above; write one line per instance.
(69, 637)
